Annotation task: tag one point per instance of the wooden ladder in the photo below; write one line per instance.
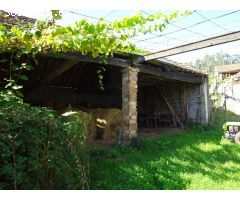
(170, 103)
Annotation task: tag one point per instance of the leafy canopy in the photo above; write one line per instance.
(100, 39)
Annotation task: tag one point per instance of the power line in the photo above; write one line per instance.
(181, 37)
(171, 23)
(196, 24)
(210, 21)
(110, 13)
(88, 16)
(196, 33)
(231, 22)
(173, 20)
(217, 25)
(145, 12)
(169, 38)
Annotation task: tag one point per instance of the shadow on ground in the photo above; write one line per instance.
(197, 159)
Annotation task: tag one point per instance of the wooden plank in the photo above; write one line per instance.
(221, 39)
(179, 76)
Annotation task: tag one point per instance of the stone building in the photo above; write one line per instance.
(153, 94)
(229, 86)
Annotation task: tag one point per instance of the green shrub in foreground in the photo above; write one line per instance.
(40, 149)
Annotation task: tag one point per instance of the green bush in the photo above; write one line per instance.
(219, 116)
(40, 149)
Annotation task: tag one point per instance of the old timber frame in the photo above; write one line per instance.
(151, 94)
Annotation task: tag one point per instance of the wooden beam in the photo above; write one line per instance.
(58, 71)
(85, 58)
(179, 76)
(144, 68)
(119, 63)
(221, 39)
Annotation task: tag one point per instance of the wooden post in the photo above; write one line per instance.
(204, 98)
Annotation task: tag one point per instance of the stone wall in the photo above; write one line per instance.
(129, 102)
(197, 102)
(193, 102)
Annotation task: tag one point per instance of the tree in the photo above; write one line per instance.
(209, 62)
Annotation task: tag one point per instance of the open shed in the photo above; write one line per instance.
(150, 95)
(153, 94)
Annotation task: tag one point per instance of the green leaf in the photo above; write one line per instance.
(38, 34)
(56, 14)
(23, 77)
(100, 39)
(16, 87)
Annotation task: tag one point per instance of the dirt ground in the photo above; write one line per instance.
(151, 133)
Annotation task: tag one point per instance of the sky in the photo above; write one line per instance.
(194, 28)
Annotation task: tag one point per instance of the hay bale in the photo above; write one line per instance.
(104, 123)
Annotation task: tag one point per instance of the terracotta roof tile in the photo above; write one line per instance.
(13, 19)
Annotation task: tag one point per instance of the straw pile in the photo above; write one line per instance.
(104, 123)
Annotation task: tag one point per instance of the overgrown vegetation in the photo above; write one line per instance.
(40, 149)
(219, 116)
(199, 158)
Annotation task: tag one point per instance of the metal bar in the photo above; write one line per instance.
(230, 37)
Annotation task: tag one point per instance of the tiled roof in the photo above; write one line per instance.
(11, 19)
(232, 68)
(182, 66)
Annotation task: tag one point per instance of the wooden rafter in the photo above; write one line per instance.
(144, 68)
(179, 76)
(58, 71)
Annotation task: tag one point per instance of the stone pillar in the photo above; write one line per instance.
(204, 98)
(129, 102)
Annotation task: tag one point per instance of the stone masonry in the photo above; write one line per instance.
(129, 102)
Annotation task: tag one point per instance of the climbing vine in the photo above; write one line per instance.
(101, 39)
(40, 149)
